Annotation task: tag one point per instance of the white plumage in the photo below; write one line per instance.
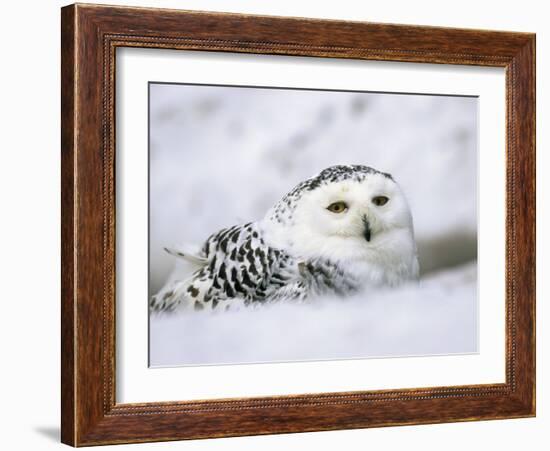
(346, 229)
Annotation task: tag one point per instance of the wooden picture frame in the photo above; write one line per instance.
(90, 35)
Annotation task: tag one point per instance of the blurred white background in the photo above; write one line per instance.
(221, 156)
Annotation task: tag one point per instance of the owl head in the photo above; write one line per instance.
(346, 213)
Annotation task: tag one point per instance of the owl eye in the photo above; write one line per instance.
(337, 207)
(380, 200)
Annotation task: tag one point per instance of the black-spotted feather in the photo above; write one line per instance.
(235, 264)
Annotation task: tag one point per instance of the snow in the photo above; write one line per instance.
(221, 156)
(437, 316)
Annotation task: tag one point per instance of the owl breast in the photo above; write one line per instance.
(323, 277)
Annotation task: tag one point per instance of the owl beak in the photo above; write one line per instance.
(366, 229)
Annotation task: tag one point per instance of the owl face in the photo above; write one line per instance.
(362, 216)
(352, 209)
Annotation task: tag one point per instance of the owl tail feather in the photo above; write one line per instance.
(170, 298)
(189, 256)
(178, 291)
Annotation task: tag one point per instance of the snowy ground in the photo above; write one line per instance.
(223, 156)
(438, 316)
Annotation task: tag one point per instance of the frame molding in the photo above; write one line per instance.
(90, 35)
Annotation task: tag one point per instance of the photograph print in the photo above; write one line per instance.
(297, 224)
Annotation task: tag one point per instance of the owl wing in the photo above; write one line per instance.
(235, 266)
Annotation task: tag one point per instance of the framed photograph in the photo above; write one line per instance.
(279, 225)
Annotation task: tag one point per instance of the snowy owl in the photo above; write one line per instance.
(347, 228)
